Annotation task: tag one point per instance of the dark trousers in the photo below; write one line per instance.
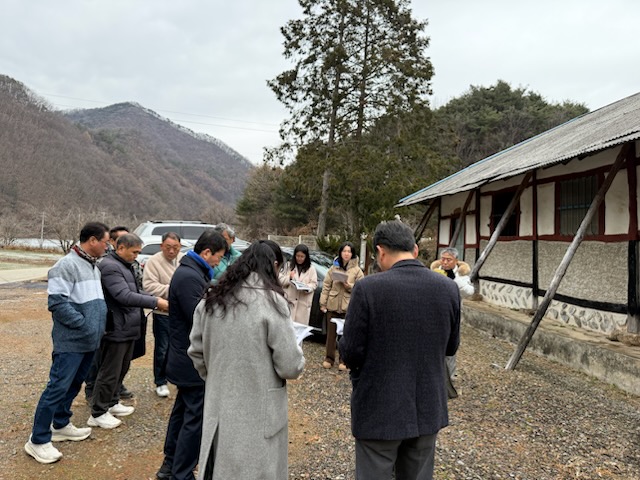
(115, 359)
(65, 380)
(411, 458)
(182, 444)
(332, 337)
(90, 381)
(160, 348)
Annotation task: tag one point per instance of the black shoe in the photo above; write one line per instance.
(165, 472)
(124, 393)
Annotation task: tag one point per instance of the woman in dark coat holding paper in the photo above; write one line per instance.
(336, 293)
(300, 283)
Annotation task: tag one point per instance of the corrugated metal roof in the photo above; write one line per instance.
(606, 127)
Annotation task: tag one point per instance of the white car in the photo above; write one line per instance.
(152, 247)
(188, 231)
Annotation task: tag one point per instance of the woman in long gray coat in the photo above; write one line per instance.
(243, 345)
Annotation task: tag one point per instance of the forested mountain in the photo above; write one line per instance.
(122, 160)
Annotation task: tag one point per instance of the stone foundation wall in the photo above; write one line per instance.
(521, 298)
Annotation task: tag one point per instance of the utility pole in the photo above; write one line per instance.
(42, 231)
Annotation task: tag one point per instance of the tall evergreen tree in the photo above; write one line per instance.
(355, 61)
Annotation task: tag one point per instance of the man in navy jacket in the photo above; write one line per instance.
(188, 286)
(399, 326)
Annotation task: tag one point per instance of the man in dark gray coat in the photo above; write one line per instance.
(125, 320)
(399, 326)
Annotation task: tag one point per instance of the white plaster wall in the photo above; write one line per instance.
(485, 216)
(546, 209)
(598, 160)
(450, 203)
(616, 203)
(445, 231)
(526, 212)
(470, 230)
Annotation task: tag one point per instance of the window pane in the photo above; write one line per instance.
(500, 204)
(192, 232)
(576, 196)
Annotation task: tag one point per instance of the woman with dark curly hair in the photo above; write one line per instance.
(243, 345)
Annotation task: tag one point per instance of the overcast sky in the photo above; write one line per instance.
(205, 63)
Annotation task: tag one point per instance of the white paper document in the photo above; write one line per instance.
(301, 286)
(338, 276)
(339, 324)
(302, 331)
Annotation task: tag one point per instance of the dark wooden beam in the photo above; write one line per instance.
(425, 219)
(463, 214)
(501, 224)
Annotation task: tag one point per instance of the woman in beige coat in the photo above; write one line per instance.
(336, 294)
(300, 283)
(244, 346)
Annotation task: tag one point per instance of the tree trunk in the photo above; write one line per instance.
(324, 204)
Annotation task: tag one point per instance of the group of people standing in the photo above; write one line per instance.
(231, 346)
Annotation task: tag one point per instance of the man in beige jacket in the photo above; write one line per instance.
(155, 280)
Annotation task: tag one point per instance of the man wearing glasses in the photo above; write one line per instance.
(79, 313)
(156, 278)
(458, 271)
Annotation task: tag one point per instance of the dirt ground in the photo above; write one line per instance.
(542, 421)
(132, 451)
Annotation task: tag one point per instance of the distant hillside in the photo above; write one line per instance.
(119, 159)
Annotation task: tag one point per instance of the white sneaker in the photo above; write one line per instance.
(162, 391)
(44, 453)
(120, 410)
(69, 432)
(106, 420)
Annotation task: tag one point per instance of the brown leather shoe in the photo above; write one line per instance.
(326, 364)
(342, 367)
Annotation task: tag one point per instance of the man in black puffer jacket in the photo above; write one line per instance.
(188, 286)
(124, 324)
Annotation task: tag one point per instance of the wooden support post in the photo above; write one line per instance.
(425, 219)
(501, 224)
(463, 214)
(566, 260)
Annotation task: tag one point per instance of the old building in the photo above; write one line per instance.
(557, 175)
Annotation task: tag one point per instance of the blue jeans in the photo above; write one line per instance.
(68, 371)
(160, 349)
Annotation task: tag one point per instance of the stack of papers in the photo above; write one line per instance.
(301, 286)
(339, 325)
(302, 331)
(339, 276)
